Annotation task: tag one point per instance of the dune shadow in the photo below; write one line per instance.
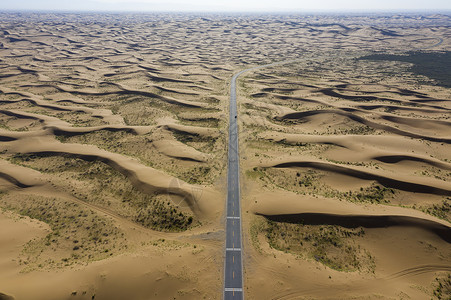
(385, 181)
(366, 221)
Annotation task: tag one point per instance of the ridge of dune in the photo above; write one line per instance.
(350, 112)
(356, 144)
(147, 179)
(402, 104)
(407, 104)
(332, 93)
(60, 127)
(31, 182)
(286, 207)
(20, 176)
(301, 115)
(364, 220)
(402, 182)
(125, 91)
(170, 124)
(180, 151)
(105, 114)
(42, 118)
(281, 110)
(70, 130)
(161, 88)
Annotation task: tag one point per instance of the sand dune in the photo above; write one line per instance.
(329, 148)
(413, 123)
(113, 156)
(19, 176)
(393, 159)
(419, 99)
(146, 179)
(180, 151)
(126, 91)
(41, 118)
(371, 144)
(302, 115)
(105, 114)
(70, 131)
(407, 183)
(193, 130)
(355, 221)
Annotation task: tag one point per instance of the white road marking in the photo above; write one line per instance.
(233, 290)
(233, 249)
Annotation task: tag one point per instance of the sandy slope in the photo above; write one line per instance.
(325, 156)
(113, 151)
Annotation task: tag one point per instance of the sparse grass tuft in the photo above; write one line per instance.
(79, 235)
(372, 194)
(442, 287)
(442, 211)
(98, 183)
(333, 246)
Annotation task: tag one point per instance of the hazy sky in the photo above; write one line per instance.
(298, 6)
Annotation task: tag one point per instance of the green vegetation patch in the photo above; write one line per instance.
(372, 194)
(185, 137)
(197, 175)
(333, 246)
(203, 122)
(121, 142)
(442, 287)
(201, 143)
(156, 214)
(435, 65)
(442, 210)
(98, 183)
(297, 181)
(140, 146)
(309, 181)
(79, 235)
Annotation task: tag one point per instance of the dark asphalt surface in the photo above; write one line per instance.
(233, 266)
(233, 275)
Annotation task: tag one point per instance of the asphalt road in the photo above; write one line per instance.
(233, 274)
(233, 266)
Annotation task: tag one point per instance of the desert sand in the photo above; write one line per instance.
(113, 147)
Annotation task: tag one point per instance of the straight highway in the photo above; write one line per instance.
(233, 266)
(233, 274)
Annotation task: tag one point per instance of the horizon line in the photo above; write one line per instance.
(318, 11)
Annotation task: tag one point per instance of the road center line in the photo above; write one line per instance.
(233, 289)
(233, 187)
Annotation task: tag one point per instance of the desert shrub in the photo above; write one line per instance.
(442, 287)
(333, 246)
(442, 210)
